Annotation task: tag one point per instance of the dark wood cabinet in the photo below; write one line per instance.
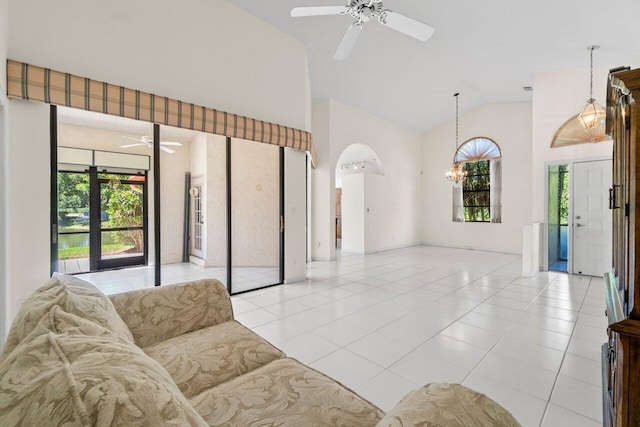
(621, 354)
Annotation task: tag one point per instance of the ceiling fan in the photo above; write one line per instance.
(363, 11)
(148, 141)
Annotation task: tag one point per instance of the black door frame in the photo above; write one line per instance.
(230, 223)
(94, 243)
(99, 264)
(96, 263)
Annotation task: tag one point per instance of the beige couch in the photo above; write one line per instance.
(175, 356)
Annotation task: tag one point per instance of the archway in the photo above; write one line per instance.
(354, 172)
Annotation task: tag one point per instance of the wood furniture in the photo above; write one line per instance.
(621, 354)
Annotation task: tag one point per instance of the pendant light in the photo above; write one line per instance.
(592, 114)
(456, 174)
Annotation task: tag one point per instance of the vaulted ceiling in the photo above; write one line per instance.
(485, 49)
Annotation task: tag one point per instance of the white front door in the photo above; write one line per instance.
(591, 218)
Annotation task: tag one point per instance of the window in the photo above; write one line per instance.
(476, 192)
(478, 199)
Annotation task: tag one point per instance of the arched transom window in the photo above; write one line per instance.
(479, 197)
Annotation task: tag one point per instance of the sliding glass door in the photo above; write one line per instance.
(120, 220)
(102, 221)
(74, 223)
(256, 216)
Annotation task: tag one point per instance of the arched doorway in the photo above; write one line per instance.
(355, 171)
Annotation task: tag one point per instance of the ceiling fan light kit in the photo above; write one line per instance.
(363, 11)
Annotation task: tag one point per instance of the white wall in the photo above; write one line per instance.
(216, 200)
(322, 203)
(295, 190)
(4, 42)
(202, 51)
(4, 121)
(336, 126)
(28, 162)
(4, 106)
(393, 200)
(558, 96)
(142, 45)
(509, 125)
(353, 213)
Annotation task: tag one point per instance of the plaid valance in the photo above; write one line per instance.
(54, 87)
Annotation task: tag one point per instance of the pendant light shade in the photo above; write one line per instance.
(592, 115)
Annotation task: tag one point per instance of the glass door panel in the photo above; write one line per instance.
(73, 222)
(558, 217)
(255, 215)
(122, 220)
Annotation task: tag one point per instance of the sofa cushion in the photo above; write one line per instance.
(157, 314)
(72, 372)
(205, 358)
(447, 405)
(284, 392)
(74, 296)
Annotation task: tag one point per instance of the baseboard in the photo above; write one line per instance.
(472, 248)
(196, 260)
(391, 248)
(295, 280)
(323, 258)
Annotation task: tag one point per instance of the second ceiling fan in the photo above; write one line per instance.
(147, 141)
(363, 11)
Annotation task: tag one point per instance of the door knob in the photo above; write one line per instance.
(580, 225)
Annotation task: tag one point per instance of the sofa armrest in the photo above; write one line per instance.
(160, 313)
(447, 405)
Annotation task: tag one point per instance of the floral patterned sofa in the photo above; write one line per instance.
(175, 356)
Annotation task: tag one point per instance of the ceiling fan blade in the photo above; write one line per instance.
(177, 144)
(167, 150)
(411, 27)
(298, 12)
(132, 145)
(348, 41)
(133, 139)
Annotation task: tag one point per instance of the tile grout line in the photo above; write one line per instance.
(564, 355)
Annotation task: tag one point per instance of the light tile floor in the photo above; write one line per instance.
(128, 279)
(384, 324)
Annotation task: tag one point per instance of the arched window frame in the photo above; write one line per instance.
(470, 152)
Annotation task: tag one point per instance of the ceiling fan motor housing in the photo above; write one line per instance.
(364, 9)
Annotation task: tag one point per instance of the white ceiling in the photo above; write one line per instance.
(137, 128)
(486, 50)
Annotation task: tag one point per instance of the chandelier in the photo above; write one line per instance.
(592, 114)
(456, 174)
